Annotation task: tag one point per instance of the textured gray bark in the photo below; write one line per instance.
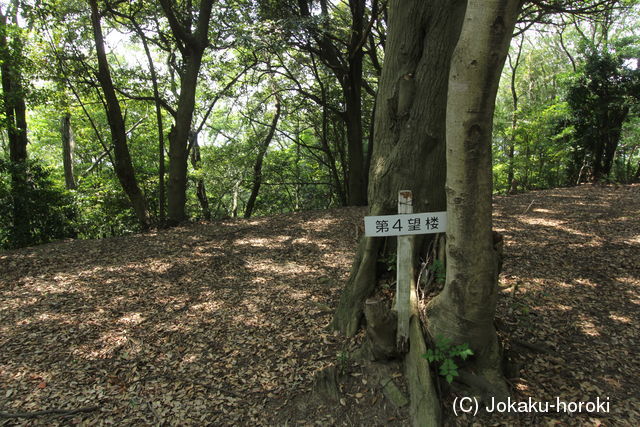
(464, 311)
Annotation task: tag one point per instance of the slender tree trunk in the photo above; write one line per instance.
(257, 167)
(352, 89)
(12, 89)
(124, 166)
(514, 120)
(464, 311)
(409, 148)
(16, 124)
(201, 190)
(234, 199)
(370, 142)
(331, 160)
(348, 71)
(156, 97)
(68, 146)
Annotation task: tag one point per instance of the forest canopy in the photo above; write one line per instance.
(117, 116)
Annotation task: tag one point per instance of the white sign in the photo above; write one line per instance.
(405, 224)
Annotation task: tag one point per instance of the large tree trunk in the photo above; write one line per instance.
(464, 311)
(257, 167)
(68, 146)
(178, 142)
(408, 152)
(123, 164)
(192, 45)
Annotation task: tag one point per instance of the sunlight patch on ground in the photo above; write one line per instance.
(49, 316)
(628, 280)
(206, 307)
(585, 282)
(272, 268)
(634, 240)
(620, 318)
(262, 242)
(547, 222)
(588, 327)
(565, 285)
(104, 347)
(132, 318)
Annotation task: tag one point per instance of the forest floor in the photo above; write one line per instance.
(225, 323)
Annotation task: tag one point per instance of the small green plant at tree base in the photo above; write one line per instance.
(444, 353)
(439, 271)
(390, 261)
(343, 360)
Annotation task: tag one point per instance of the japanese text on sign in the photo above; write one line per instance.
(405, 224)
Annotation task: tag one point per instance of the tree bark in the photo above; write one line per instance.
(352, 88)
(123, 164)
(408, 152)
(192, 46)
(514, 121)
(348, 71)
(16, 125)
(257, 167)
(464, 311)
(158, 106)
(201, 190)
(68, 146)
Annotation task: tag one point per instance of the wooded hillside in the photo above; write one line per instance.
(225, 322)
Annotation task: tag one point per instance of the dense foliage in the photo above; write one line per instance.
(567, 110)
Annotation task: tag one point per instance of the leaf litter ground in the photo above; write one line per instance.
(226, 323)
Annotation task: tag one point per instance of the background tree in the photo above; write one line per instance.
(600, 99)
(191, 43)
(15, 120)
(123, 165)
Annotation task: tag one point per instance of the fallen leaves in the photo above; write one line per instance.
(224, 323)
(209, 323)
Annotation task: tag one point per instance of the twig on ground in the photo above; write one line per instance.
(48, 412)
(529, 207)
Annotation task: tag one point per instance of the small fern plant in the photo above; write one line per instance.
(439, 271)
(443, 356)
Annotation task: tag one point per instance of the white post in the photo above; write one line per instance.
(404, 279)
